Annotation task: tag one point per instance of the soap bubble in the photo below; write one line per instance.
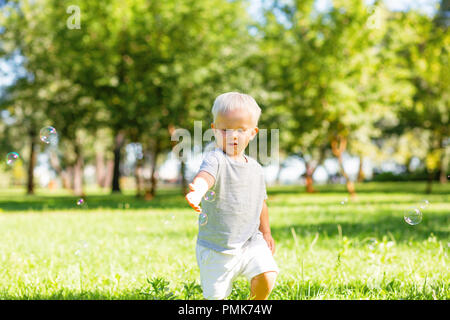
(202, 219)
(80, 202)
(48, 135)
(82, 248)
(210, 196)
(344, 201)
(167, 221)
(413, 216)
(371, 243)
(424, 204)
(11, 158)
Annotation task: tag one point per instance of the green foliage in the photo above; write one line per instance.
(373, 77)
(159, 289)
(322, 66)
(137, 68)
(417, 55)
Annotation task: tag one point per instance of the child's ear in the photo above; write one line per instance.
(255, 132)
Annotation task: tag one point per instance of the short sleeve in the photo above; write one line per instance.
(210, 164)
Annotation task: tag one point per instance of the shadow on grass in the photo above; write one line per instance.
(164, 199)
(327, 204)
(172, 198)
(365, 188)
(376, 227)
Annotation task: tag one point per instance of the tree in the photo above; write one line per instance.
(322, 68)
(423, 55)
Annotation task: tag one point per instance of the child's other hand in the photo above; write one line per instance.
(270, 242)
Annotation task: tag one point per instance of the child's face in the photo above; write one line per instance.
(234, 130)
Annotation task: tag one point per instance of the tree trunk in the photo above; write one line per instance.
(350, 187)
(311, 167)
(360, 171)
(138, 177)
(153, 177)
(150, 191)
(147, 187)
(56, 165)
(154, 182)
(78, 172)
(349, 184)
(107, 182)
(309, 180)
(118, 143)
(443, 176)
(184, 182)
(100, 170)
(66, 177)
(31, 163)
(309, 184)
(338, 146)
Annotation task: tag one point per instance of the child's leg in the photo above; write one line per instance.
(262, 284)
(217, 272)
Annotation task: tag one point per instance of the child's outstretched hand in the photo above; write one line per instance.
(193, 199)
(198, 189)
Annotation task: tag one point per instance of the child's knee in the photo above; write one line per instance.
(267, 278)
(262, 285)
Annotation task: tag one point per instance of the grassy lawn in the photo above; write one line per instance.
(119, 247)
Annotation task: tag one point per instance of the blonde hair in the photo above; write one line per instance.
(234, 100)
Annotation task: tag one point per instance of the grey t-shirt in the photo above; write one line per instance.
(240, 191)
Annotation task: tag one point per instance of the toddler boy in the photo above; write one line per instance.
(236, 240)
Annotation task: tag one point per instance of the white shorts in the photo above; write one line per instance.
(219, 270)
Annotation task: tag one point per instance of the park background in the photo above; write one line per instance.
(359, 91)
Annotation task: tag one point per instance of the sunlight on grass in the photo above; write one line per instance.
(120, 247)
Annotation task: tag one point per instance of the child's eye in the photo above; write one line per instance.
(230, 131)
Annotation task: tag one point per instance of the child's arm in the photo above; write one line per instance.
(202, 182)
(265, 228)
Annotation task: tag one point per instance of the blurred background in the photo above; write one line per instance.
(359, 90)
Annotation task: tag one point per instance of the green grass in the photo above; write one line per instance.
(119, 247)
